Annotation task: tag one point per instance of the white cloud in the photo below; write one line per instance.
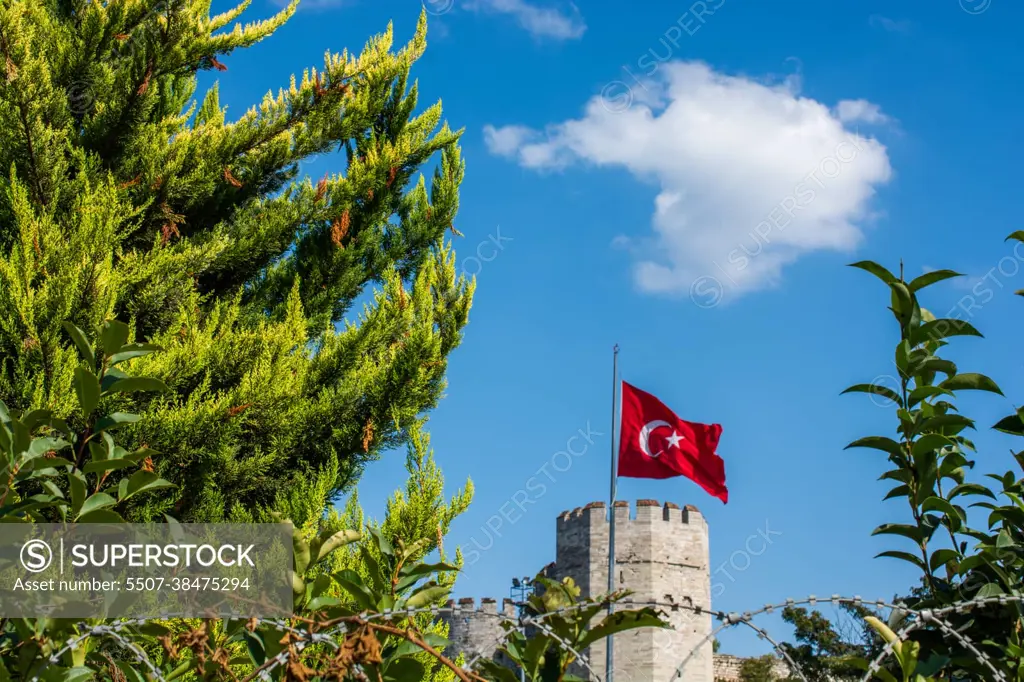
(890, 25)
(751, 175)
(541, 22)
(507, 140)
(860, 110)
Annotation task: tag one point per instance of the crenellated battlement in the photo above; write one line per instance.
(488, 605)
(595, 514)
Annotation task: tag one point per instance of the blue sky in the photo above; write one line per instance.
(635, 163)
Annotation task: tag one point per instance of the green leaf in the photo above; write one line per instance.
(877, 443)
(913, 532)
(941, 557)
(940, 504)
(911, 649)
(110, 377)
(87, 387)
(887, 634)
(1018, 235)
(100, 516)
(989, 590)
(298, 586)
(113, 336)
(323, 602)
(905, 556)
(622, 621)
(115, 420)
(58, 674)
(141, 481)
(937, 330)
(435, 640)
(300, 552)
(876, 270)
(151, 629)
(137, 384)
(969, 489)
(902, 301)
(131, 673)
(36, 417)
(902, 358)
(21, 438)
(40, 446)
(76, 485)
(930, 278)
(254, 645)
(970, 382)
(929, 443)
(934, 364)
(83, 345)
(898, 491)
(945, 421)
(96, 467)
(94, 502)
(382, 542)
(350, 581)
(419, 570)
(78, 674)
(318, 586)
(924, 392)
(1013, 424)
(131, 351)
(1004, 540)
(876, 389)
(932, 665)
(329, 542)
(426, 595)
(405, 669)
(498, 672)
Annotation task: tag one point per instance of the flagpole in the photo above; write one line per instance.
(611, 507)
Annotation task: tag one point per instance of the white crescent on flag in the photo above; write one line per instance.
(645, 436)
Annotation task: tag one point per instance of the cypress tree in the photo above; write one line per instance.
(124, 196)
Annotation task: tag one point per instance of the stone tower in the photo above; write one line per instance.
(661, 555)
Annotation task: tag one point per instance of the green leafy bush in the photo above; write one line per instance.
(929, 461)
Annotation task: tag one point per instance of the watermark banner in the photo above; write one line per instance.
(145, 570)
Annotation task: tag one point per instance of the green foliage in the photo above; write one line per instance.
(547, 654)
(759, 669)
(126, 195)
(419, 516)
(362, 612)
(825, 648)
(52, 472)
(928, 466)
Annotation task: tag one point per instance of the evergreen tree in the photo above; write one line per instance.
(419, 515)
(122, 196)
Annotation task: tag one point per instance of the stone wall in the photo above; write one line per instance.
(476, 631)
(727, 668)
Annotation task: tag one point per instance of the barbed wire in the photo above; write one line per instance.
(115, 631)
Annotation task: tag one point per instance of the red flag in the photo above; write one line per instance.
(655, 443)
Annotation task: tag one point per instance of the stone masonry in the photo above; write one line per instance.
(478, 631)
(661, 554)
(727, 668)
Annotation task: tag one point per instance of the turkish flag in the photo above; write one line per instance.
(655, 443)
